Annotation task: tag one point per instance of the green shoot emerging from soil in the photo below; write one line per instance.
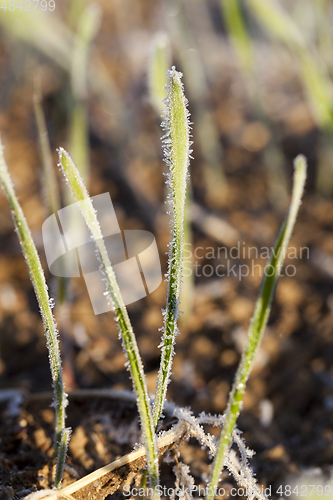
(177, 152)
(41, 290)
(80, 192)
(258, 324)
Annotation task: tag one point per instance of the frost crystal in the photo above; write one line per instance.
(238, 467)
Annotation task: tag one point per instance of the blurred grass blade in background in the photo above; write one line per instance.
(198, 93)
(45, 305)
(238, 33)
(282, 27)
(315, 76)
(233, 15)
(159, 63)
(44, 31)
(176, 145)
(51, 196)
(52, 203)
(48, 34)
(135, 366)
(258, 323)
(278, 22)
(324, 30)
(87, 28)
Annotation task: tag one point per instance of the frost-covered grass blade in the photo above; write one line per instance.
(80, 192)
(63, 446)
(176, 142)
(258, 323)
(41, 290)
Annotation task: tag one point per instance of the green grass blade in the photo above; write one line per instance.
(160, 56)
(159, 63)
(318, 89)
(64, 441)
(41, 290)
(258, 324)
(280, 25)
(80, 192)
(177, 153)
(51, 198)
(87, 28)
(278, 22)
(50, 186)
(187, 290)
(240, 38)
(197, 90)
(49, 35)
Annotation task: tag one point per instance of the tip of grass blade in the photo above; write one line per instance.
(300, 164)
(72, 175)
(61, 152)
(300, 171)
(173, 72)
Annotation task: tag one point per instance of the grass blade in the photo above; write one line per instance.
(80, 192)
(157, 76)
(177, 154)
(87, 28)
(277, 22)
(49, 35)
(282, 27)
(64, 441)
(258, 324)
(159, 62)
(197, 89)
(41, 290)
(50, 186)
(238, 33)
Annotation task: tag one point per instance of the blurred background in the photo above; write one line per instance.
(258, 77)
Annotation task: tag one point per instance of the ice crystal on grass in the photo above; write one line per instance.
(184, 482)
(237, 466)
(205, 439)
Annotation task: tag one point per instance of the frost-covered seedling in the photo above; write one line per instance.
(258, 322)
(176, 145)
(45, 305)
(134, 364)
(176, 142)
